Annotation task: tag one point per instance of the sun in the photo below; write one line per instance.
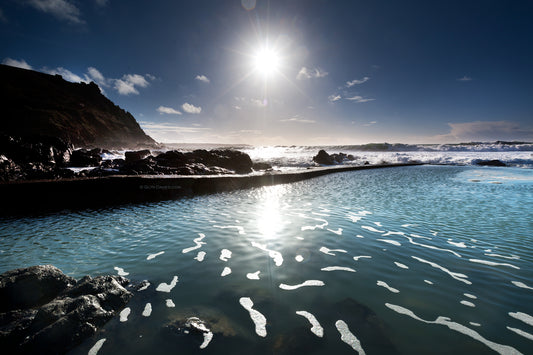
(266, 61)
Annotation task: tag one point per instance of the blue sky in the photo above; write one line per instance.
(291, 72)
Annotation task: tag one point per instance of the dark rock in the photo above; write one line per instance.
(261, 166)
(133, 156)
(47, 312)
(323, 158)
(31, 287)
(490, 163)
(35, 103)
(83, 157)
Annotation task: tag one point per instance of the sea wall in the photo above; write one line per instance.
(22, 197)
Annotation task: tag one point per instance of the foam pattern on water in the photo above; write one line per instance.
(450, 244)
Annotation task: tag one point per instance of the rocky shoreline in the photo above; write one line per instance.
(43, 311)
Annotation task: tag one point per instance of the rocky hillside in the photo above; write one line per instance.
(37, 104)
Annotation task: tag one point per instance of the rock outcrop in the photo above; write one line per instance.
(323, 158)
(45, 311)
(35, 103)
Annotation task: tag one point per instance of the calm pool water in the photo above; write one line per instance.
(427, 259)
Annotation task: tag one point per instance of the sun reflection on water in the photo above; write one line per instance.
(269, 212)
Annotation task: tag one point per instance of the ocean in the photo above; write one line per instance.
(432, 259)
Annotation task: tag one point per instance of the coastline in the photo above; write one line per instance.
(37, 196)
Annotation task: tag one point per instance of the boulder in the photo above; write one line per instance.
(47, 312)
(133, 156)
(261, 166)
(83, 157)
(323, 158)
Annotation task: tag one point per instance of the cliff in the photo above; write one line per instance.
(38, 104)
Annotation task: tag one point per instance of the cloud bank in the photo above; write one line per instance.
(486, 131)
(16, 63)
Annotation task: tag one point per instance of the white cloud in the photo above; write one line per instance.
(66, 74)
(96, 76)
(309, 73)
(16, 63)
(189, 108)
(237, 107)
(371, 123)
(62, 9)
(297, 119)
(333, 98)
(486, 131)
(168, 110)
(351, 83)
(127, 84)
(203, 78)
(465, 78)
(359, 99)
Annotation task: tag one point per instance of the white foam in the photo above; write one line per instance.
(392, 233)
(329, 251)
(316, 328)
(300, 238)
(196, 241)
(428, 282)
(120, 271)
(475, 324)
(337, 268)
(207, 339)
(320, 226)
(144, 287)
(124, 314)
(225, 254)
(521, 333)
(253, 275)
(303, 284)
(434, 233)
(512, 257)
(384, 284)
(521, 285)
(400, 265)
(356, 258)
(275, 255)
(409, 225)
(524, 317)
(164, 287)
(200, 256)
(238, 228)
(96, 347)
(457, 244)
(378, 224)
(299, 258)
(467, 303)
(225, 272)
(152, 256)
(355, 219)
(419, 236)
(359, 236)
(256, 316)
(502, 349)
(169, 303)
(348, 337)
(455, 275)
(470, 296)
(338, 231)
(432, 247)
(491, 263)
(372, 229)
(147, 310)
(393, 242)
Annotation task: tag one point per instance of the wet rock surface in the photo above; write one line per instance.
(44, 311)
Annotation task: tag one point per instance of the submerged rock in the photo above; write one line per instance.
(47, 312)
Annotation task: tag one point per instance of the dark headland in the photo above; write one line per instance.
(49, 125)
